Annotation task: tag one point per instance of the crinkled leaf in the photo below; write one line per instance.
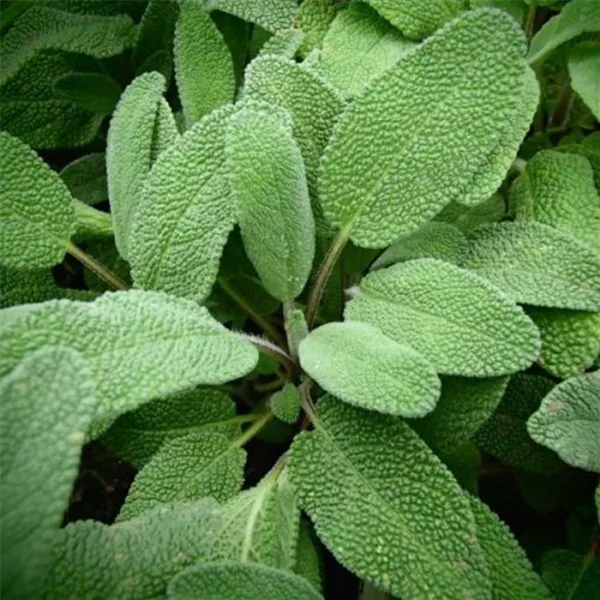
(47, 404)
(400, 520)
(139, 345)
(185, 213)
(284, 43)
(584, 69)
(86, 178)
(308, 559)
(315, 18)
(272, 15)
(464, 463)
(357, 363)
(36, 214)
(467, 218)
(590, 148)
(91, 223)
(403, 182)
(462, 323)
(516, 8)
(536, 264)
(568, 421)
(565, 574)
(239, 581)
(285, 404)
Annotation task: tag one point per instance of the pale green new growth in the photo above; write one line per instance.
(285, 404)
(272, 15)
(139, 345)
(584, 69)
(186, 469)
(137, 435)
(271, 197)
(203, 64)
(47, 405)
(37, 217)
(564, 573)
(238, 581)
(536, 264)
(462, 323)
(418, 20)
(358, 47)
(558, 189)
(185, 213)
(399, 520)
(86, 178)
(402, 181)
(568, 421)
(41, 28)
(358, 364)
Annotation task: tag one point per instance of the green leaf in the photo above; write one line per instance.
(568, 421)
(36, 215)
(504, 435)
(590, 148)
(86, 178)
(47, 404)
(186, 469)
(93, 92)
(139, 345)
(510, 570)
(239, 581)
(271, 196)
(400, 520)
(272, 15)
(432, 240)
(185, 213)
(570, 339)
(105, 252)
(91, 223)
(516, 8)
(577, 17)
(464, 405)
(315, 18)
(584, 69)
(41, 28)
(536, 264)
(421, 19)
(285, 404)
(558, 189)
(308, 559)
(464, 463)
(467, 218)
(284, 43)
(357, 363)
(135, 559)
(403, 182)
(358, 47)
(203, 63)
(137, 436)
(460, 322)
(567, 576)
(129, 151)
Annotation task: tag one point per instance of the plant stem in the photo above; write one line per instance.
(100, 270)
(252, 430)
(530, 21)
(272, 350)
(269, 386)
(91, 222)
(307, 404)
(324, 273)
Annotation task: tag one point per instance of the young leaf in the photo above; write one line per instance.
(285, 404)
(86, 178)
(271, 196)
(139, 345)
(584, 69)
(203, 64)
(418, 20)
(460, 322)
(403, 182)
(358, 47)
(90, 223)
(567, 576)
(464, 405)
(360, 365)
(185, 213)
(47, 405)
(239, 581)
(136, 436)
(186, 469)
(536, 264)
(467, 218)
(37, 217)
(510, 570)
(308, 560)
(568, 421)
(272, 15)
(399, 520)
(504, 435)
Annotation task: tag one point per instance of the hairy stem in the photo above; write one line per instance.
(85, 259)
(272, 350)
(307, 404)
(249, 433)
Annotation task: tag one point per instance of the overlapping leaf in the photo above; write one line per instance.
(564, 573)
(272, 15)
(86, 178)
(285, 404)
(584, 69)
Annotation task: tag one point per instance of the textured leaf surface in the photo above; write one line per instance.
(536, 264)
(504, 435)
(558, 189)
(584, 69)
(86, 178)
(47, 403)
(284, 43)
(203, 64)
(400, 520)
(36, 214)
(464, 405)
(467, 218)
(285, 404)
(271, 196)
(137, 435)
(133, 560)
(140, 345)
(186, 469)
(308, 559)
(563, 573)
(315, 18)
(185, 213)
(403, 182)
(239, 581)
(463, 324)
(357, 363)
(272, 15)
(568, 421)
